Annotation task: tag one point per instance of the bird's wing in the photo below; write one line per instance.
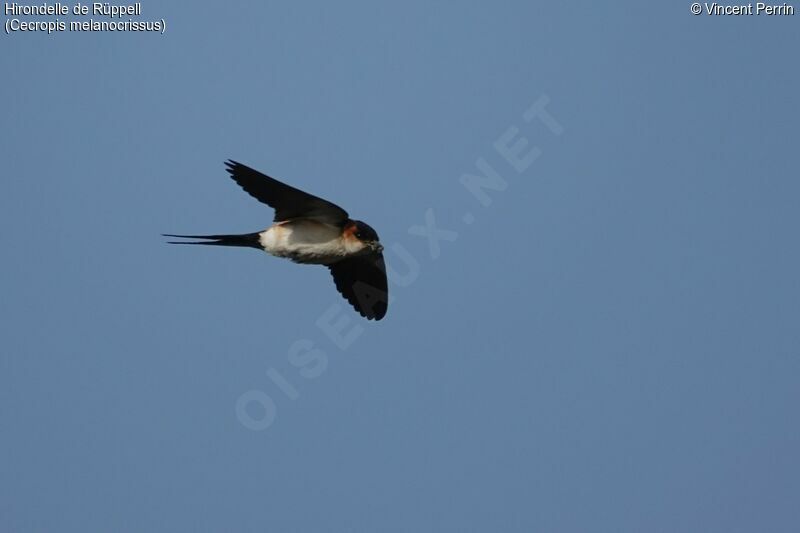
(362, 281)
(287, 201)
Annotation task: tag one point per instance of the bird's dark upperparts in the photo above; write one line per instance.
(307, 229)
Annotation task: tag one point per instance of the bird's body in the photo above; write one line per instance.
(310, 242)
(310, 230)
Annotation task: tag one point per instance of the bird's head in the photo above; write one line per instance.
(363, 237)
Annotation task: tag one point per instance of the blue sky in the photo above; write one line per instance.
(610, 345)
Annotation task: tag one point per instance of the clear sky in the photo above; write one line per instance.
(607, 340)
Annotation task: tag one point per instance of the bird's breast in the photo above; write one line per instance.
(304, 241)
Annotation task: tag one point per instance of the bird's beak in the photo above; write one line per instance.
(378, 247)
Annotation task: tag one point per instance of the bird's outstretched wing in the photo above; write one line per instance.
(287, 201)
(362, 281)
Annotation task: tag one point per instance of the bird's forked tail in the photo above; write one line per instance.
(249, 240)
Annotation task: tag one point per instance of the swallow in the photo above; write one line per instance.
(309, 230)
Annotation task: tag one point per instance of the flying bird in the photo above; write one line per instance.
(309, 230)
